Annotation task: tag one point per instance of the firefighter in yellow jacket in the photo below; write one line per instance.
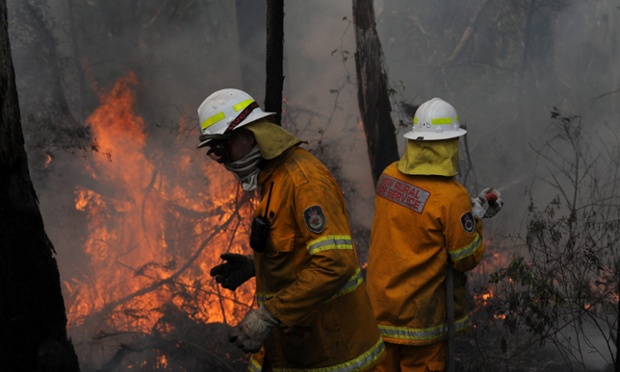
(314, 312)
(423, 222)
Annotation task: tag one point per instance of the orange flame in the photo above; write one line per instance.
(150, 221)
(48, 160)
(495, 258)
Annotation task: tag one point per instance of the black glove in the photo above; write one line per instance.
(236, 271)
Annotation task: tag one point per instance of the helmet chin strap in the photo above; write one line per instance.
(246, 169)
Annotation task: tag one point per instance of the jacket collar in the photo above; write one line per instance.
(274, 164)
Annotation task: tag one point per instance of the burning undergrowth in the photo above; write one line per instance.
(155, 223)
(155, 226)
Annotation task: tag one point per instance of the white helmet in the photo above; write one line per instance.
(435, 120)
(225, 110)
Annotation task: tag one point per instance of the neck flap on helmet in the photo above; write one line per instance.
(272, 139)
(427, 158)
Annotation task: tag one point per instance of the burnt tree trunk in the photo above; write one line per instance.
(372, 90)
(616, 339)
(32, 313)
(275, 56)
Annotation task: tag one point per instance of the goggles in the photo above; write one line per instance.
(218, 149)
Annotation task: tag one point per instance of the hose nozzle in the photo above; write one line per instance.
(492, 196)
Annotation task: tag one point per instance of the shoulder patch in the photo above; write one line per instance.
(314, 218)
(468, 222)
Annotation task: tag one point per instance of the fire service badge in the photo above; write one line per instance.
(314, 218)
(468, 222)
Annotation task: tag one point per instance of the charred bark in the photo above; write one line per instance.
(616, 361)
(50, 124)
(372, 90)
(33, 333)
(275, 56)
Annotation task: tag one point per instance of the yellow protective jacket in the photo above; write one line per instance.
(420, 222)
(308, 276)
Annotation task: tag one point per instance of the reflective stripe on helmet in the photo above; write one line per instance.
(243, 104)
(221, 116)
(212, 120)
(442, 121)
(241, 117)
(224, 111)
(437, 121)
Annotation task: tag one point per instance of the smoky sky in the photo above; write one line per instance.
(501, 92)
(504, 73)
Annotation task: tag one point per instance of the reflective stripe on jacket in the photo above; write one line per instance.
(308, 276)
(420, 221)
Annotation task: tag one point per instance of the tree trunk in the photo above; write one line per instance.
(372, 90)
(275, 56)
(617, 330)
(33, 333)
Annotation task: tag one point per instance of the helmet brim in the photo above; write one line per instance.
(206, 138)
(254, 115)
(430, 136)
(203, 143)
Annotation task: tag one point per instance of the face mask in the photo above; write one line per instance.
(246, 169)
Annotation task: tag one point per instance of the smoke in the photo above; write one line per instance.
(503, 79)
